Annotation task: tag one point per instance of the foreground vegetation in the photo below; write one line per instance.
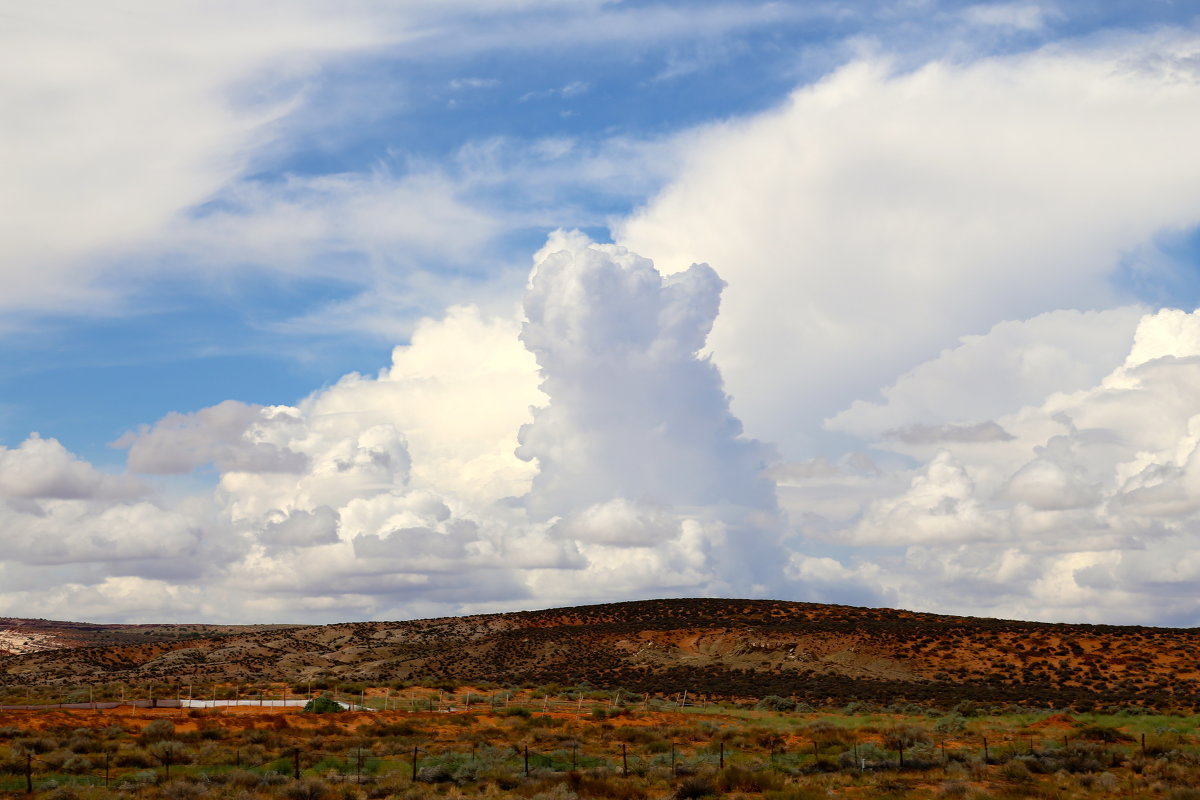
(622, 747)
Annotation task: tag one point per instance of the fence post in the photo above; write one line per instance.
(986, 758)
(722, 755)
(673, 770)
(106, 755)
(624, 761)
(29, 773)
(358, 766)
(1143, 745)
(414, 765)
(168, 764)
(526, 761)
(296, 770)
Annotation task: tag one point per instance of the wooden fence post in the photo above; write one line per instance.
(414, 765)
(624, 761)
(296, 763)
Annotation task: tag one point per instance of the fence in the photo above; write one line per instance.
(437, 763)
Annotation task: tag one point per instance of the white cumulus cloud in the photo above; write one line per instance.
(877, 217)
(1087, 510)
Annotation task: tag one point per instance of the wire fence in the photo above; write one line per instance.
(352, 764)
(433, 763)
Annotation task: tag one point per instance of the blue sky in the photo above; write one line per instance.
(189, 338)
(928, 217)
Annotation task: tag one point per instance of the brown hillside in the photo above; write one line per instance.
(707, 646)
(19, 636)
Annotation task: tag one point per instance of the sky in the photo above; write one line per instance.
(317, 311)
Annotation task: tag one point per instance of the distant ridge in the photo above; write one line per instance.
(713, 647)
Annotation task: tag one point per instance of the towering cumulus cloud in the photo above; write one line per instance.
(634, 412)
(637, 451)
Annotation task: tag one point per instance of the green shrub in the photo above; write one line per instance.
(951, 723)
(774, 702)
(740, 779)
(76, 765)
(1100, 733)
(904, 736)
(133, 758)
(157, 731)
(694, 788)
(321, 705)
(306, 789)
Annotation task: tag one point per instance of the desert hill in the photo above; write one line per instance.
(19, 636)
(710, 647)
